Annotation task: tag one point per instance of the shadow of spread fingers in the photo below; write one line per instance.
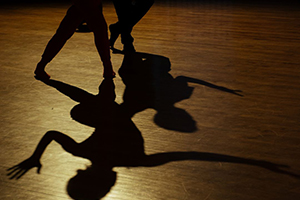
(13, 167)
(17, 172)
(21, 174)
(12, 170)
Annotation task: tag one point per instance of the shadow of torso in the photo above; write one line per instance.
(116, 141)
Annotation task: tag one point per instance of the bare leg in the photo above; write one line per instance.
(91, 10)
(66, 29)
(129, 15)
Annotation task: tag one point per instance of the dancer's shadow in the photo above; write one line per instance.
(150, 85)
(116, 142)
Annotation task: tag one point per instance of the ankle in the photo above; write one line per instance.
(41, 65)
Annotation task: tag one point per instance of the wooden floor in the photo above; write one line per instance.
(231, 96)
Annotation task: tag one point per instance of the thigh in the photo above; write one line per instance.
(91, 11)
(124, 9)
(87, 3)
(71, 20)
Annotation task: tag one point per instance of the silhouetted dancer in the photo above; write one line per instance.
(91, 12)
(116, 142)
(129, 13)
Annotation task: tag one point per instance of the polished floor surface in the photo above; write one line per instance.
(217, 83)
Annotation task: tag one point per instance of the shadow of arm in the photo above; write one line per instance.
(210, 85)
(22, 168)
(163, 158)
(72, 92)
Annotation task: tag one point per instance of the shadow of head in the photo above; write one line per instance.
(91, 184)
(175, 119)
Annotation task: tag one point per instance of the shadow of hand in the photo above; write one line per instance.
(272, 166)
(19, 170)
(278, 168)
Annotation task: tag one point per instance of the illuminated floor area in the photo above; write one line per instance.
(213, 86)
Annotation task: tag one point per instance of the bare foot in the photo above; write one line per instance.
(41, 75)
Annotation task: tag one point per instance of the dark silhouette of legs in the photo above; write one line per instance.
(129, 14)
(65, 30)
(91, 12)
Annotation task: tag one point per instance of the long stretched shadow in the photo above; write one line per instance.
(150, 85)
(115, 142)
